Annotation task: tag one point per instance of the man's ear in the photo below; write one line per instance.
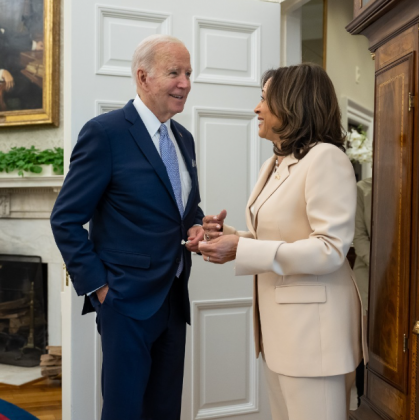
(142, 79)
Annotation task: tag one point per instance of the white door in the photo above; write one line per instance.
(231, 43)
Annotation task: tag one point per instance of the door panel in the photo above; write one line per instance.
(231, 43)
(390, 259)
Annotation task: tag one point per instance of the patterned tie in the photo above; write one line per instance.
(169, 157)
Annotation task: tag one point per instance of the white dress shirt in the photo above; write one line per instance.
(152, 124)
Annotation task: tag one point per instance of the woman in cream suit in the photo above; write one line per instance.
(301, 217)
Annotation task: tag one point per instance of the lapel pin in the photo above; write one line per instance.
(193, 163)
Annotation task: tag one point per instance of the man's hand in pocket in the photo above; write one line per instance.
(102, 292)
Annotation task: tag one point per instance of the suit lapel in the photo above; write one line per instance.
(145, 143)
(256, 191)
(188, 162)
(268, 188)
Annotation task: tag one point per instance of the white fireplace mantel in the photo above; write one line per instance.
(31, 197)
(54, 181)
(25, 208)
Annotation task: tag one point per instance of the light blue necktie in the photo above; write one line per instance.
(169, 157)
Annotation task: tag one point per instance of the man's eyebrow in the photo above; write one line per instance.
(176, 68)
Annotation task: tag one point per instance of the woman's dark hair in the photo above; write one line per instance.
(304, 100)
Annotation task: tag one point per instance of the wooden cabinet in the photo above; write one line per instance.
(390, 260)
(361, 6)
(392, 28)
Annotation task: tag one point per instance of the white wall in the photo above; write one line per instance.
(348, 59)
(345, 52)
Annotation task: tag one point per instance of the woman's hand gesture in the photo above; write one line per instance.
(220, 250)
(213, 225)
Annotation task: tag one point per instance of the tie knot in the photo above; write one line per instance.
(163, 130)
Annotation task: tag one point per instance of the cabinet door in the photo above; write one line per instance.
(391, 237)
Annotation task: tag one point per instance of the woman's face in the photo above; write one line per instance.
(266, 119)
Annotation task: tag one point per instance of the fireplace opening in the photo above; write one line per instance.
(23, 309)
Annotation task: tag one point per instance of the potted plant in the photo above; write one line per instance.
(22, 161)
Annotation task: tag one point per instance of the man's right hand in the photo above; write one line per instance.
(8, 79)
(213, 225)
(102, 292)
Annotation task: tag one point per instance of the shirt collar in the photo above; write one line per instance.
(151, 122)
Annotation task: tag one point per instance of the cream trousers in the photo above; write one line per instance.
(320, 398)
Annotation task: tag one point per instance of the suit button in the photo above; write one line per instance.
(177, 260)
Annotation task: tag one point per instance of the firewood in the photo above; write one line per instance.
(50, 370)
(14, 304)
(50, 357)
(51, 363)
(13, 315)
(54, 350)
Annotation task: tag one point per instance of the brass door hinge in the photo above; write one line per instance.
(372, 56)
(67, 276)
(411, 101)
(405, 343)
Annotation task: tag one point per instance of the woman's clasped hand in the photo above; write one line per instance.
(217, 248)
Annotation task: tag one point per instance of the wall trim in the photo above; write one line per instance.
(227, 113)
(234, 409)
(102, 12)
(234, 26)
(104, 106)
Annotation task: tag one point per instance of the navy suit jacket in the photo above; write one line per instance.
(117, 181)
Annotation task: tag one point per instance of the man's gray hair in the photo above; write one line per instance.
(145, 52)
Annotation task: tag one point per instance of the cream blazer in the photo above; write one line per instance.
(362, 239)
(307, 309)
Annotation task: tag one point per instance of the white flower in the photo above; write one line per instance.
(356, 143)
(355, 135)
(358, 147)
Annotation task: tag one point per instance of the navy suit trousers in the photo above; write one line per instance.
(143, 360)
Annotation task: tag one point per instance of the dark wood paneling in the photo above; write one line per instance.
(398, 47)
(414, 317)
(370, 11)
(387, 398)
(413, 378)
(390, 248)
(365, 411)
(399, 16)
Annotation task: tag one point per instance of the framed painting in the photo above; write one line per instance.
(29, 62)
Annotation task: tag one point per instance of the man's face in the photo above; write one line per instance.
(165, 90)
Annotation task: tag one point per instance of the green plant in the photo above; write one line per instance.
(52, 157)
(23, 160)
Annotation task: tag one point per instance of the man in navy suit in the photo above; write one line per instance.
(133, 176)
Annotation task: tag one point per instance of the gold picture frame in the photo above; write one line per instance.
(32, 95)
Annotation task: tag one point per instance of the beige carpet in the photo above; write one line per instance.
(16, 375)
